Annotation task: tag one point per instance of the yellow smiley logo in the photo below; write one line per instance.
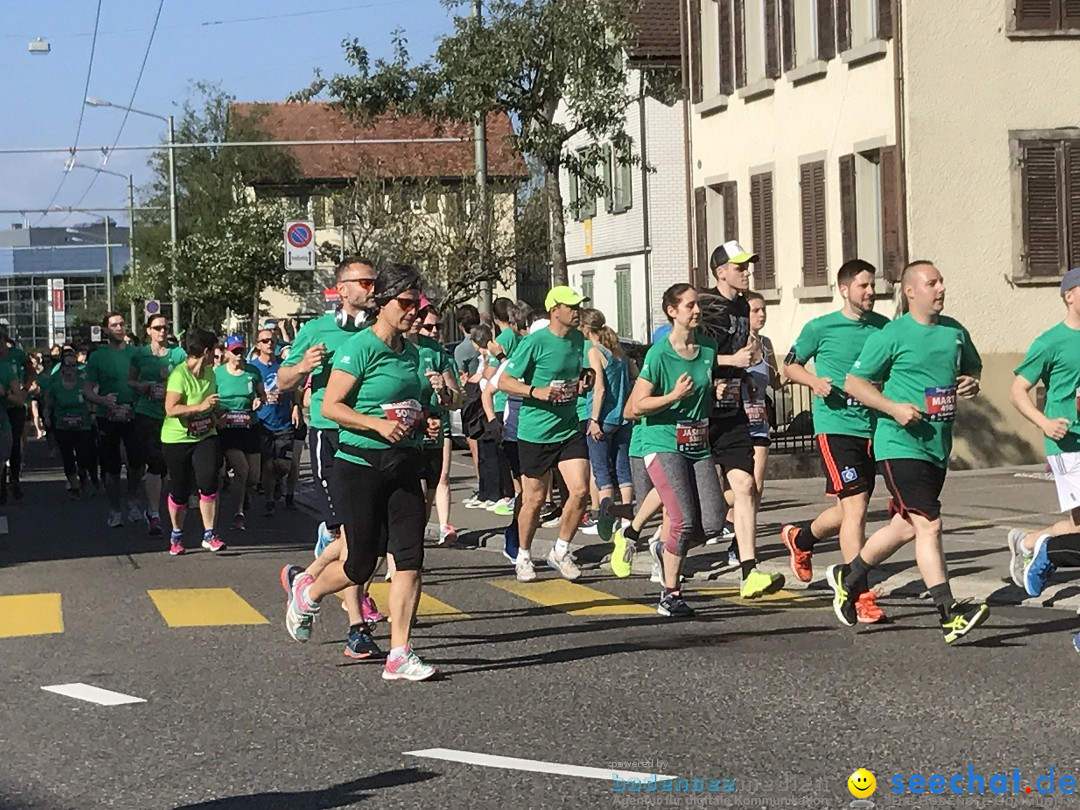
(862, 784)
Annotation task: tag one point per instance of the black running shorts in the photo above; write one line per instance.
(915, 486)
(732, 447)
(849, 464)
(537, 460)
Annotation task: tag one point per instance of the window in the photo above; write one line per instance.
(805, 24)
(860, 21)
(721, 213)
(587, 285)
(750, 28)
(624, 308)
(1046, 15)
(863, 21)
(761, 215)
(1050, 205)
(814, 244)
(618, 181)
(861, 207)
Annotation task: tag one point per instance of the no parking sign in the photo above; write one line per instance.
(299, 245)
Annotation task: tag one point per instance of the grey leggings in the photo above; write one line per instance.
(692, 497)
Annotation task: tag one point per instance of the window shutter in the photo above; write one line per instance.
(624, 308)
(1038, 15)
(740, 43)
(701, 234)
(730, 194)
(726, 49)
(761, 225)
(1070, 13)
(772, 41)
(1072, 194)
(812, 195)
(573, 196)
(1044, 234)
(695, 51)
(609, 185)
(826, 22)
(821, 254)
(787, 33)
(884, 19)
(843, 25)
(848, 218)
(893, 248)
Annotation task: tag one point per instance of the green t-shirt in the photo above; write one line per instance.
(109, 368)
(17, 359)
(433, 357)
(684, 426)
(508, 339)
(543, 359)
(237, 392)
(918, 364)
(387, 385)
(192, 390)
(1054, 360)
(156, 370)
(834, 342)
(323, 330)
(70, 411)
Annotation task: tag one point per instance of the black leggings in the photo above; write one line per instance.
(79, 451)
(17, 416)
(191, 463)
(381, 512)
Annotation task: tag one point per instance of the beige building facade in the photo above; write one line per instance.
(893, 130)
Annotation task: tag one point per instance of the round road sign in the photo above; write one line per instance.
(299, 235)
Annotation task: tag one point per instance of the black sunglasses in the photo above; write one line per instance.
(430, 327)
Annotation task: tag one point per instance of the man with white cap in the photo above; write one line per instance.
(546, 372)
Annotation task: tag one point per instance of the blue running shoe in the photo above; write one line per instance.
(1076, 642)
(1039, 569)
(325, 539)
(360, 644)
(510, 543)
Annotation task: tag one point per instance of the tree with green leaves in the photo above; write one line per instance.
(529, 59)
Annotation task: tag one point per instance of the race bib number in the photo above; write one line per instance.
(756, 413)
(563, 391)
(851, 402)
(941, 403)
(237, 419)
(200, 425)
(728, 395)
(691, 435)
(409, 412)
(71, 421)
(118, 413)
(157, 392)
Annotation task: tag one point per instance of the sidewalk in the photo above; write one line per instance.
(978, 506)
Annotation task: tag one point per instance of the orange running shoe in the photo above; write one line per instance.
(867, 610)
(800, 562)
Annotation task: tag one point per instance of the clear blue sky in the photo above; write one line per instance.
(251, 47)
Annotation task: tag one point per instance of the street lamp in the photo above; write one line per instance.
(97, 102)
(131, 223)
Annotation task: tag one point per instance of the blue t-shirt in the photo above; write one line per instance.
(279, 416)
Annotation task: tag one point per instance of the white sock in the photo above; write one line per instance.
(523, 554)
(399, 652)
(562, 548)
(305, 594)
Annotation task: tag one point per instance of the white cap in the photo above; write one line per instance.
(538, 325)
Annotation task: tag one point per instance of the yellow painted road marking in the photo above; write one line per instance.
(204, 607)
(781, 598)
(577, 600)
(30, 614)
(429, 607)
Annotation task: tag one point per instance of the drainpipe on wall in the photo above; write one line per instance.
(684, 55)
(901, 147)
(647, 241)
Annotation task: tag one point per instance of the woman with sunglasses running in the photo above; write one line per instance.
(239, 384)
(673, 395)
(373, 395)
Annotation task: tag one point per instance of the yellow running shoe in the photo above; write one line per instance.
(622, 558)
(758, 584)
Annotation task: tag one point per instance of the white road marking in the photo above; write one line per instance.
(513, 763)
(92, 694)
(3, 525)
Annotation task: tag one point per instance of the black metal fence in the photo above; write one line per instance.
(793, 426)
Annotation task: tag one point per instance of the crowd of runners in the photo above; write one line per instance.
(556, 411)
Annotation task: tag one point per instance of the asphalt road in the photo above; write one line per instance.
(774, 700)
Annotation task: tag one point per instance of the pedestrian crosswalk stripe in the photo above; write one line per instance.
(781, 598)
(429, 607)
(577, 600)
(204, 607)
(30, 614)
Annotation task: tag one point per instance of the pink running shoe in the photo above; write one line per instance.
(176, 548)
(213, 543)
(370, 610)
(408, 667)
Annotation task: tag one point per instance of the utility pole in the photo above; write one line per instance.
(172, 226)
(480, 154)
(108, 267)
(131, 245)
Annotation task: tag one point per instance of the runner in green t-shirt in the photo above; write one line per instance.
(65, 402)
(843, 426)
(546, 372)
(1054, 361)
(12, 395)
(21, 369)
(373, 395)
(926, 361)
(239, 385)
(107, 374)
(493, 401)
(151, 366)
(189, 439)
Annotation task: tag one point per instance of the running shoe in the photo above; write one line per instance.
(176, 548)
(963, 618)
(471, 500)
(656, 552)
(478, 504)
(733, 559)
(605, 523)
(588, 524)
(758, 584)
(564, 565)
(842, 607)
(524, 569)
(134, 513)
(727, 534)
(270, 506)
(153, 525)
(867, 610)
(300, 615)
(1019, 556)
(800, 562)
(447, 534)
(505, 507)
(238, 522)
(323, 539)
(622, 557)
(1076, 642)
(550, 517)
(116, 520)
(369, 610)
(213, 543)
(674, 606)
(288, 574)
(360, 644)
(1039, 569)
(408, 667)
(511, 544)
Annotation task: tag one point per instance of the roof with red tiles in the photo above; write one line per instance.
(657, 39)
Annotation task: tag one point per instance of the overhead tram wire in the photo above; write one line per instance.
(30, 150)
(82, 107)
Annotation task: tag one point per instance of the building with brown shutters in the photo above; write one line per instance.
(892, 130)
